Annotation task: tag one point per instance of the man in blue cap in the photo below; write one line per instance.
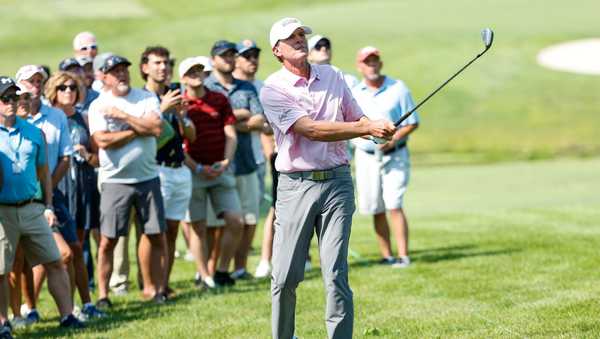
(25, 219)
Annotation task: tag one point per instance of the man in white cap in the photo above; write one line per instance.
(382, 171)
(312, 112)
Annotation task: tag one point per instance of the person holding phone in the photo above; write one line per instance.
(175, 178)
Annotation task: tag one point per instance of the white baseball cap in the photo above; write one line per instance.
(186, 64)
(283, 28)
(27, 71)
(312, 42)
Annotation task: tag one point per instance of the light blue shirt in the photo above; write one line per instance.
(22, 149)
(390, 101)
(53, 122)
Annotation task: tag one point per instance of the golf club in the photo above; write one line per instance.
(487, 35)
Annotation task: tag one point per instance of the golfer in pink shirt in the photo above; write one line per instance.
(312, 112)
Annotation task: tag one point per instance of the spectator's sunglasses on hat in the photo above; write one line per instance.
(9, 98)
(64, 87)
(323, 43)
(251, 53)
(88, 47)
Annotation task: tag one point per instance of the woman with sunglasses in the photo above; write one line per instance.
(64, 90)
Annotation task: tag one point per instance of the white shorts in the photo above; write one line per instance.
(248, 189)
(176, 189)
(381, 181)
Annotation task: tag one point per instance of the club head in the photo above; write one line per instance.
(487, 35)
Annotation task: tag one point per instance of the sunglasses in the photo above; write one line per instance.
(321, 44)
(9, 98)
(85, 48)
(63, 88)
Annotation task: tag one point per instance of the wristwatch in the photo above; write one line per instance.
(49, 208)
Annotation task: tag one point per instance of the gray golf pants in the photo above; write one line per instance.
(303, 207)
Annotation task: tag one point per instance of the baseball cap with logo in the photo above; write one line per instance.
(221, 47)
(68, 63)
(283, 28)
(99, 60)
(112, 62)
(246, 45)
(7, 83)
(186, 64)
(27, 71)
(365, 52)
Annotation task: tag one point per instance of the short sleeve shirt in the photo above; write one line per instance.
(136, 161)
(22, 149)
(325, 96)
(53, 122)
(241, 95)
(390, 101)
(210, 115)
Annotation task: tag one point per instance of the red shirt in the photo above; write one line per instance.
(210, 115)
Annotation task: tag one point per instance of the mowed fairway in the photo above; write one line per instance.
(506, 250)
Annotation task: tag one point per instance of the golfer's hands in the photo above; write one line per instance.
(382, 129)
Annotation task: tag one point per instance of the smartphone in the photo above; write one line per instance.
(174, 86)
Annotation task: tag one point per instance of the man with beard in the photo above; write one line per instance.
(125, 123)
(248, 112)
(383, 171)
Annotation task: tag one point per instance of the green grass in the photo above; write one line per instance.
(506, 250)
(503, 107)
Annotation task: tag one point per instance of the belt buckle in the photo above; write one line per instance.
(320, 175)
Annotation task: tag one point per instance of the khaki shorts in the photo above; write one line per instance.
(28, 226)
(249, 190)
(221, 192)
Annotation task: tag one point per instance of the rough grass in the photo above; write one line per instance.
(499, 251)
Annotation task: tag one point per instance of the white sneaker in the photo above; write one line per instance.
(24, 310)
(402, 262)
(263, 269)
(307, 266)
(189, 257)
(79, 315)
(210, 282)
(177, 254)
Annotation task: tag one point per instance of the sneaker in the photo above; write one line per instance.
(387, 261)
(263, 270)
(71, 321)
(241, 274)
(91, 311)
(32, 316)
(177, 254)
(402, 262)
(6, 331)
(160, 298)
(223, 279)
(79, 315)
(189, 257)
(18, 322)
(307, 266)
(104, 304)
